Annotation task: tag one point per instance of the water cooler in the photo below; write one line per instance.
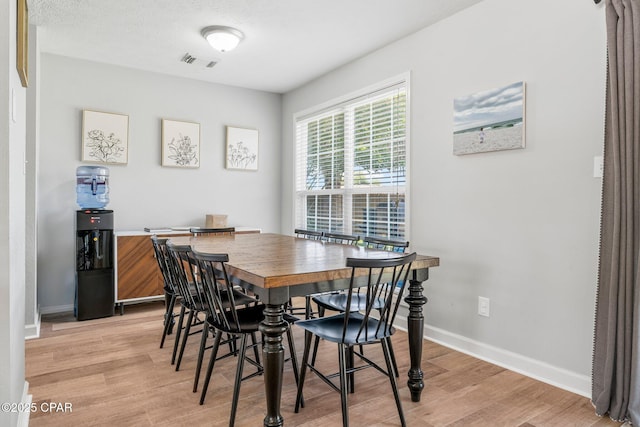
(94, 264)
(95, 295)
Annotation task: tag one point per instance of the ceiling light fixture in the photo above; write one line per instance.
(222, 38)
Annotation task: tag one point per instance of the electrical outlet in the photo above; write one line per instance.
(483, 306)
(598, 166)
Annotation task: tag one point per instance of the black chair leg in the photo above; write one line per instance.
(236, 385)
(351, 377)
(343, 383)
(203, 344)
(294, 359)
(256, 352)
(303, 370)
(187, 329)
(212, 361)
(393, 359)
(178, 332)
(168, 320)
(392, 380)
(316, 339)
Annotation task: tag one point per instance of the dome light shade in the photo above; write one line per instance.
(222, 38)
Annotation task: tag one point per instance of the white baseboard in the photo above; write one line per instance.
(56, 309)
(25, 402)
(538, 370)
(33, 330)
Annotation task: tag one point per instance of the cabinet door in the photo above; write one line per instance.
(138, 272)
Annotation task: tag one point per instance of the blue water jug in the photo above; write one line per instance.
(92, 187)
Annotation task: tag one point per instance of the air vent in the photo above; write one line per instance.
(199, 62)
(188, 58)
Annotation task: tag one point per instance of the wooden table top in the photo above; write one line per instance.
(275, 260)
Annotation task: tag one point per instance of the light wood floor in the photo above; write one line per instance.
(113, 373)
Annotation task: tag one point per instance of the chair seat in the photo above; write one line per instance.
(331, 329)
(239, 297)
(338, 302)
(249, 319)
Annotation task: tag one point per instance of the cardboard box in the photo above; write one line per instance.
(216, 221)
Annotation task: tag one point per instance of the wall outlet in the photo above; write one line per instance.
(598, 166)
(483, 306)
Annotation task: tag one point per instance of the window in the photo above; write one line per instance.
(351, 165)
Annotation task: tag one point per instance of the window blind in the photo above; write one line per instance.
(351, 165)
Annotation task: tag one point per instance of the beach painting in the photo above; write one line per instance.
(489, 120)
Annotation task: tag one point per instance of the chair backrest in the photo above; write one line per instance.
(218, 291)
(162, 257)
(185, 272)
(197, 231)
(308, 234)
(345, 239)
(382, 277)
(386, 245)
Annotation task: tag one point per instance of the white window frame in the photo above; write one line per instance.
(335, 105)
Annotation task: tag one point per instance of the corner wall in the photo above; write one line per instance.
(12, 219)
(143, 193)
(519, 227)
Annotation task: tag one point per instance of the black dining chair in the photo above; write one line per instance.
(305, 310)
(185, 272)
(343, 239)
(369, 325)
(308, 234)
(227, 316)
(386, 244)
(191, 298)
(337, 301)
(170, 291)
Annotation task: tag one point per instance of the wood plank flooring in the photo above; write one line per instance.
(113, 373)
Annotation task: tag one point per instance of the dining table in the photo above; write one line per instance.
(277, 267)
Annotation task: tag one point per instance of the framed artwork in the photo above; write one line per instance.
(242, 148)
(180, 144)
(490, 120)
(22, 43)
(105, 137)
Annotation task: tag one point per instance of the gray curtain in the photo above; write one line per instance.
(615, 372)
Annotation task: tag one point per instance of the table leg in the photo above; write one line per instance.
(415, 329)
(272, 328)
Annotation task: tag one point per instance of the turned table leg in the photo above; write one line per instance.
(415, 329)
(272, 328)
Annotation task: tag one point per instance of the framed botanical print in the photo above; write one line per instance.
(105, 137)
(180, 144)
(242, 148)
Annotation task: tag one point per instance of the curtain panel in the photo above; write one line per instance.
(615, 380)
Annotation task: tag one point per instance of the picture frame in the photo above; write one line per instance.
(490, 120)
(105, 137)
(22, 42)
(180, 144)
(242, 149)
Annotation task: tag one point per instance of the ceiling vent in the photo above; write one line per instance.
(203, 63)
(188, 58)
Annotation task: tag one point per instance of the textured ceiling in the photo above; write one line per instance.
(287, 42)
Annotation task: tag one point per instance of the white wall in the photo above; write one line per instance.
(143, 193)
(32, 314)
(12, 223)
(519, 227)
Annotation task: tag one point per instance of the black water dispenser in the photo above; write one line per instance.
(94, 264)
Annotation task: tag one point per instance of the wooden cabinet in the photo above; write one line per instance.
(137, 275)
